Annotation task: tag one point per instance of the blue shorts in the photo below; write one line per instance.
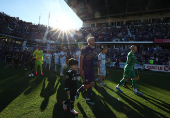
(89, 76)
(102, 72)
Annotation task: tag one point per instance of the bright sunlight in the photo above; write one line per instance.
(64, 23)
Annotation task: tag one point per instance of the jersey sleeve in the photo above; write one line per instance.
(34, 53)
(99, 57)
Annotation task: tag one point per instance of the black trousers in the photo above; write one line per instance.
(71, 99)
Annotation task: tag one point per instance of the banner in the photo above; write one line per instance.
(162, 68)
(161, 40)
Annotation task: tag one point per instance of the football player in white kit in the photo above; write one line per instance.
(78, 54)
(63, 55)
(102, 66)
(48, 60)
(56, 60)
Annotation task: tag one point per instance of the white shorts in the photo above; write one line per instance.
(56, 62)
(63, 64)
(103, 72)
(48, 62)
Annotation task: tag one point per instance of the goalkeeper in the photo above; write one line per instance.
(129, 71)
(38, 54)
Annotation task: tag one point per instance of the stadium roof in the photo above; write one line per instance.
(102, 9)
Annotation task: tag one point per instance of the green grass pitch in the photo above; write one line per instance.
(41, 96)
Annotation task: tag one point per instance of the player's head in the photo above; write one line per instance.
(133, 48)
(39, 47)
(73, 63)
(56, 51)
(64, 48)
(49, 51)
(104, 48)
(91, 41)
(26, 49)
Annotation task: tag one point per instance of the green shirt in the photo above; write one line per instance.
(38, 54)
(131, 61)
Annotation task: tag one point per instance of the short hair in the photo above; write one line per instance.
(72, 61)
(132, 47)
(90, 38)
(104, 47)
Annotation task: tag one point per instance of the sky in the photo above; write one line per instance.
(61, 15)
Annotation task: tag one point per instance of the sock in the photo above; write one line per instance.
(121, 82)
(80, 89)
(101, 84)
(97, 79)
(72, 105)
(134, 84)
(61, 70)
(135, 90)
(125, 83)
(67, 101)
(89, 90)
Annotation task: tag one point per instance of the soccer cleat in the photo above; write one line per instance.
(103, 89)
(45, 69)
(118, 89)
(61, 75)
(89, 102)
(32, 74)
(42, 74)
(74, 112)
(36, 73)
(25, 68)
(138, 93)
(125, 86)
(49, 70)
(64, 106)
(77, 95)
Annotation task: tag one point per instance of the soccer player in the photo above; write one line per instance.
(25, 57)
(38, 54)
(129, 71)
(71, 85)
(15, 61)
(48, 60)
(44, 59)
(63, 55)
(56, 60)
(86, 69)
(32, 64)
(78, 54)
(102, 66)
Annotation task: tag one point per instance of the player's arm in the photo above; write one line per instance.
(99, 59)
(81, 61)
(76, 56)
(134, 60)
(34, 53)
(42, 55)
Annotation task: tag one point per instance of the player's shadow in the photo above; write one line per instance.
(48, 91)
(58, 111)
(15, 88)
(32, 85)
(109, 102)
(144, 110)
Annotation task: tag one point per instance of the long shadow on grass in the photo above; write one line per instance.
(58, 111)
(32, 85)
(46, 92)
(104, 105)
(143, 109)
(18, 86)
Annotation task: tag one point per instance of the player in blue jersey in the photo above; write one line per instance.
(48, 60)
(102, 66)
(78, 54)
(56, 60)
(63, 55)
